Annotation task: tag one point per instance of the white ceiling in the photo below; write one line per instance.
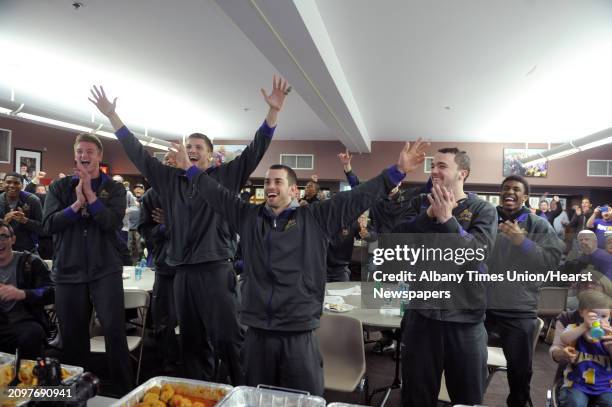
(362, 70)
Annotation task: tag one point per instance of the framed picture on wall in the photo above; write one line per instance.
(31, 159)
(5, 146)
(514, 166)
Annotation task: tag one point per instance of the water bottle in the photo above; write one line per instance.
(597, 331)
(142, 264)
(403, 288)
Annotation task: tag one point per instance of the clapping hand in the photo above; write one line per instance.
(442, 202)
(11, 293)
(512, 231)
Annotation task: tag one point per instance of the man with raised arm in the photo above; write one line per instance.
(201, 243)
(284, 249)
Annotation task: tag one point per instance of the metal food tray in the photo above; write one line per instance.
(136, 395)
(344, 405)
(244, 396)
(73, 371)
(6, 358)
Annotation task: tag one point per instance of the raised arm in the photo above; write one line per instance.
(235, 174)
(591, 222)
(152, 169)
(351, 177)
(346, 206)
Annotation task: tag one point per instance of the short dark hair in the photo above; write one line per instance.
(461, 158)
(317, 187)
(291, 176)
(90, 138)
(517, 178)
(203, 137)
(5, 224)
(14, 174)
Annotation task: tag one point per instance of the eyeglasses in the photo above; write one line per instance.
(4, 237)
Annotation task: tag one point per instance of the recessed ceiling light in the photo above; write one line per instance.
(447, 107)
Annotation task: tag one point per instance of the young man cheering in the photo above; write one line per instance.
(201, 243)
(284, 249)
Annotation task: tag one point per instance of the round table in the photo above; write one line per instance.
(373, 318)
(368, 317)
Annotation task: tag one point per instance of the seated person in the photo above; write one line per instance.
(588, 377)
(25, 288)
(592, 260)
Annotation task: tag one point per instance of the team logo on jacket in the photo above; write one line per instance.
(345, 232)
(290, 223)
(25, 207)
(104, 194)
(465, 216)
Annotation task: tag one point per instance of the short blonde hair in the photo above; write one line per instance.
(90, 138)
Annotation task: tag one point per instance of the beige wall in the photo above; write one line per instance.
(487, 158)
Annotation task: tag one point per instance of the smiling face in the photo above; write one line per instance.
(277, 190)
(445, 171)
(198, 151)
(543, 206)
(89, 155)
(7, 240)
(607, 216)
(12, 186)
(512, 196)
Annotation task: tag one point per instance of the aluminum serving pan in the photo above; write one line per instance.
(135, 396)
(6, 358)
(6, 375)
(244, 396)
(344, 405)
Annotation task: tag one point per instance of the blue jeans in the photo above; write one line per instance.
(569, 397)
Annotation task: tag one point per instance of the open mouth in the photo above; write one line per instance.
(85, 163)
(4, 249)
(271, 195)
(509, 199)
(194, 159)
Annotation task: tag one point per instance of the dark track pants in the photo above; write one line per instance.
(27, 335)
(163, 311)
(73, 304)
(284, 359)
(206, 305)
(516, 336)
(429, 347)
